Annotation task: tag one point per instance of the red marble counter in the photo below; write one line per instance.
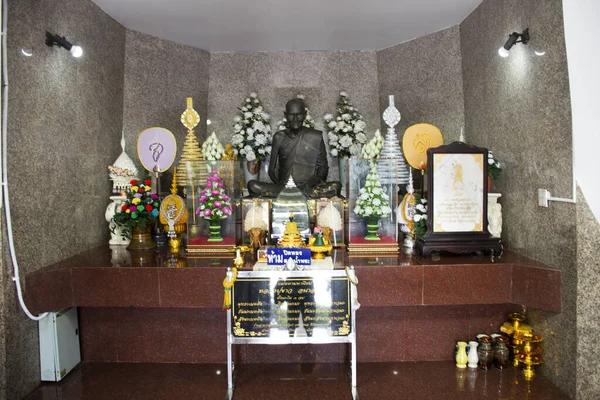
(96, 279)
(144, 310)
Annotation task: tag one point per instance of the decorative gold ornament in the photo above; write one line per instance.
(190, 117)
(417, 139)
(530, 354)
(230, 277)
(229, 153)
(191, 151)
(173, 215)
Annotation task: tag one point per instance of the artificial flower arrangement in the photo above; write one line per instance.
(252, 136)
(420, 217)
(215, 205)
(309, 121)
(212, 149)
(373, 148)
(372, 200)
(347, 130)
(318, 235)
(139, 209)
(494, 169)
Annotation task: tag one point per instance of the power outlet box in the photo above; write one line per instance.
(543, 197)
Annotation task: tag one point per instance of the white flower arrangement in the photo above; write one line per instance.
(347, 130)
(494, 169)
(252, 136)
(372, 199)
(420, 217)
(373, 148)
(309, 121)
(212, 149)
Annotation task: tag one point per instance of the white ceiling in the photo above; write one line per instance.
(288, 25)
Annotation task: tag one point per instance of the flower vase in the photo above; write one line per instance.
(461, 355)
(372, 228)
(319, 241)
(343, 164)
(263, 174)
(215, 231)
(141, 239)
(472, 357)
(251, 169)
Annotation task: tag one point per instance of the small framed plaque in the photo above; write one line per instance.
(457, 201)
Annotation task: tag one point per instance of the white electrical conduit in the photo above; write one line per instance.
(6, 203)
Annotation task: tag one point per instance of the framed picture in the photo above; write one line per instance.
(457, 201)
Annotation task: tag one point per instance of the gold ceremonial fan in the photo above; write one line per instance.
(417, 139)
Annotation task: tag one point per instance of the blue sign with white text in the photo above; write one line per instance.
(278, 256)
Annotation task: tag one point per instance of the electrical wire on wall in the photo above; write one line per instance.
(4, 201)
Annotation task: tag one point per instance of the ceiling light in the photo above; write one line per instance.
(26, 52)
(513, 39)
(60, 41)
(539, 53)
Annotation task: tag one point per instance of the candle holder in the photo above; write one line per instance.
(513, 328)
(530, 353)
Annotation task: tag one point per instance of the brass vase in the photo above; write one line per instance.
(141, 239)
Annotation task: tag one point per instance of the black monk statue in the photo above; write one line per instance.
(298, 152)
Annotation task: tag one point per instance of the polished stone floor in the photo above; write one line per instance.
(406, 380)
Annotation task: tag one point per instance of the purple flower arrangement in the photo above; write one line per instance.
(214, 203)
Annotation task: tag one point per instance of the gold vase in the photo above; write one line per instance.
(141, 239)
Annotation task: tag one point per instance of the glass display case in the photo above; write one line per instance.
(211, 207)
(290, 201)
(372, 205)
(330, 214)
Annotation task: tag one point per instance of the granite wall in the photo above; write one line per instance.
(64, 123)
(588, 298)
(280, 76)
(425, 77)
(159, 76)
(519, 107)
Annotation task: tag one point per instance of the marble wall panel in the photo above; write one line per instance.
(159, 76)
(588, 298)
(279, 76)
(519, 107)
(64, 123)
(425, 77)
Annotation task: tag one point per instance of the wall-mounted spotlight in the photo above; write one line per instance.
(55, 40)
(512, 40)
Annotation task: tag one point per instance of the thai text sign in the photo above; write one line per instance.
(278, 256)
(281, 306)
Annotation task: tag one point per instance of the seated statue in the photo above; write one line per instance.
(298, 152)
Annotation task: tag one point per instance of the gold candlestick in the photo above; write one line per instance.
(530, 354)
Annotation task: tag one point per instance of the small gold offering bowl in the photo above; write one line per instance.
(319, 252)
